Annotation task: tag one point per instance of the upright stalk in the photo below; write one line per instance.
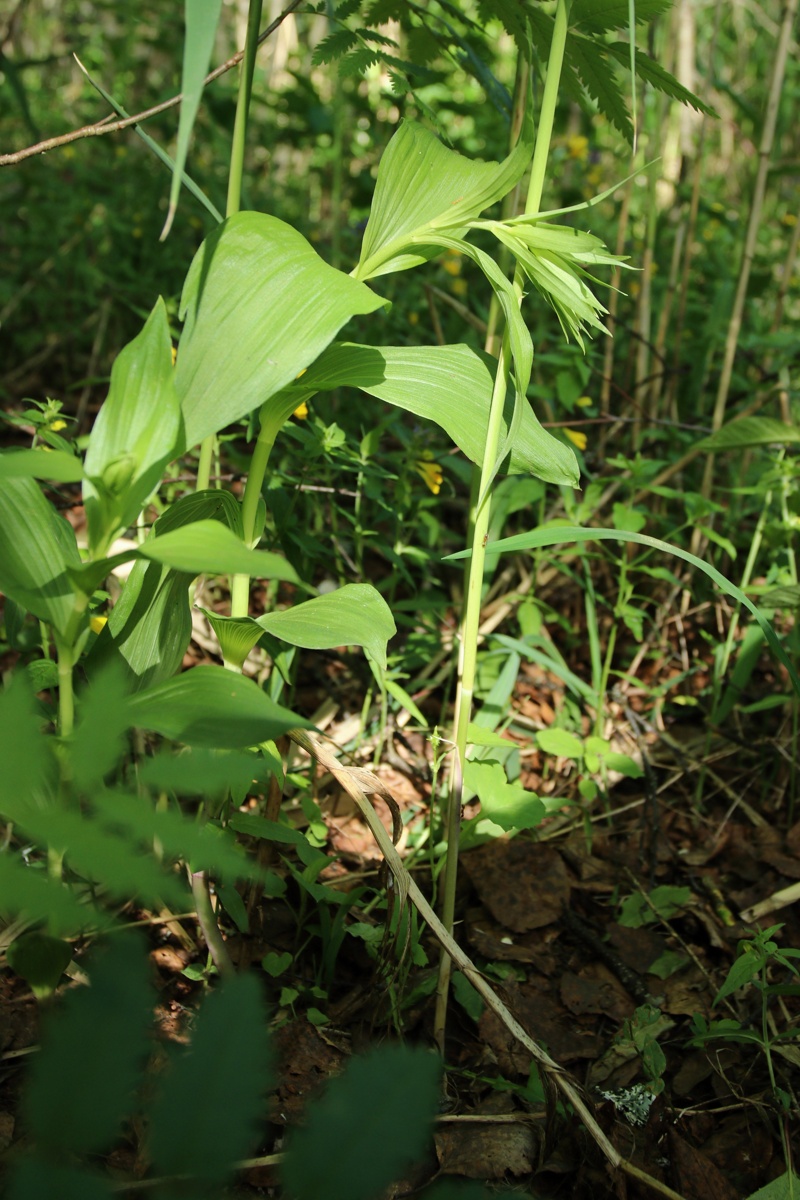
(235, 178)
(479, 523)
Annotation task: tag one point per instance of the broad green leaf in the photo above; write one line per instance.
(202, 17)
(560, 535)
(36, 550)
(230, 1058)
(42, 463)
(508, 805)
(150, 625)
(451, 385)
(98, 1040)
(386, 1101)
(135, 434)
(751, 431)
(259, 305)
(560, 742)
(353, 615)
(424, 188)
(209, 547)
(209, 706)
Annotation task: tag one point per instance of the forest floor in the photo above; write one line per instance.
(608, 935)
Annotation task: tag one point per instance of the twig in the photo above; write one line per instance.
(107, 125)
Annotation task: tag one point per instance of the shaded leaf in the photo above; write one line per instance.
(210, 706)
(35, 1179)
(451, 385)
(98, 1040)
(229, 1057)
(26, 891)
(387, 1101)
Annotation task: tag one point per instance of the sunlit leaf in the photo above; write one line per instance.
(353, 615)
(36, 549)
(259, 305)
(41, 463)
(135, 434)
(425, 188)
(202, 17)
(751, 431)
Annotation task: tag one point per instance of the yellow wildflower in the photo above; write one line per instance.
(97, 623)
(578, 146)
(577, 438)
(584, 402)
(430, 471)
(54, 426)
(789, 219)
(459, 287)
(301, 412)
(452, 262)
(174, 355)
(413, 318)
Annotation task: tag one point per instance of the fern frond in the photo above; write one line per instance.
(333, 46)
(651, 71)
(601, 16)
(358, 61)
(597, 76)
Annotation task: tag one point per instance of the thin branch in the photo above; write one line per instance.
(108, 125)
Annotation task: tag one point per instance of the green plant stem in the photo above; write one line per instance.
(240, 584)
(479, 521)
(208, 923)
(204, 463)
(243, 109)
(235, 173)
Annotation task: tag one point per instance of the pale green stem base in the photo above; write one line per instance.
(480, 528)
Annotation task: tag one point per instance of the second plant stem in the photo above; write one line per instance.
(479, 524)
